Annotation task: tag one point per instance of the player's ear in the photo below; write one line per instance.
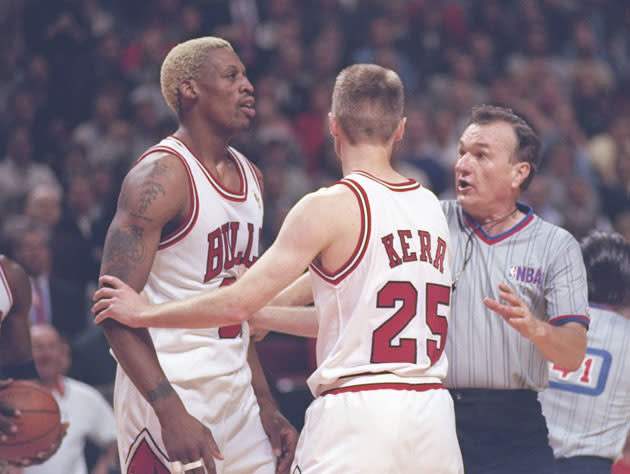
(188, 89)
(333, 125)
(399, 133)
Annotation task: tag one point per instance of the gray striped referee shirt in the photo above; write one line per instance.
(543, 263)
(588, 411)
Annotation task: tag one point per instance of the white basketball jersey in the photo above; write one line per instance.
(588, 411)
(218, 241)
(383, 316)
(6, 295)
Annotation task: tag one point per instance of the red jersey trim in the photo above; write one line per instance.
(416, 387)
(366, 225)
(241, 194)
(256, 174)
(577, 318)
(5, 283)
(193, 209)
(409, 185)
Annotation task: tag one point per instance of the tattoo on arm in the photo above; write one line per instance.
(163, 390)
(125, 252)
(150, 192)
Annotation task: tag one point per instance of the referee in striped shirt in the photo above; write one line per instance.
(519, 299)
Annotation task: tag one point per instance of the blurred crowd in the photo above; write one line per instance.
(80, 101)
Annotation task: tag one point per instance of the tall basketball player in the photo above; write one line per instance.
(378, 248)
(530, 272)
(588, 410)
(188, 219)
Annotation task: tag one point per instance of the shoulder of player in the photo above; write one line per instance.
(159, 165)
(339, 194)
(156, 179)
(325, 204)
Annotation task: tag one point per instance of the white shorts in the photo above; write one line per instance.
(226, 405)
(379, 432)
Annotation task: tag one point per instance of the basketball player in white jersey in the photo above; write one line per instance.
(188, 219)
(509, 261)
(378, 248)
(588, 410)
(16, 357)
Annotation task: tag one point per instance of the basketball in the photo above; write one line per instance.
(38, 425)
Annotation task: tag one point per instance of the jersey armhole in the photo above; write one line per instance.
(338, 275)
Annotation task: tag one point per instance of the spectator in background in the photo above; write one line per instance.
(105, 136)
(616, 194)
(588, 410)
(44, 205)
(90, 416)
(55, 301)
(19, 173)
(418, 155)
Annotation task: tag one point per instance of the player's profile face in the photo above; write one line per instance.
(225, 92)
(484, 170)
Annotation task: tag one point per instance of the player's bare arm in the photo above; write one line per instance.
(285, 313)
(298, 293)
(152, 198)
(563, 345)
(294, 320)
(15, 339)
(324, 224)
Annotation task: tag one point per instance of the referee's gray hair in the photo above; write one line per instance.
(528, 144)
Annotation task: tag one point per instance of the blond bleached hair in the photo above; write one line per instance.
(368, 101)
(183, 62)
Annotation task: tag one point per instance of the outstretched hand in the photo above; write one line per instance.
(117, 300)
(515, 312)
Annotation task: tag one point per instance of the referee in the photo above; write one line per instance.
(519, 299)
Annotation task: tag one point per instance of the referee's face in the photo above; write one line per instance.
(486, 181)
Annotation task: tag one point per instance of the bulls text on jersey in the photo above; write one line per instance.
(221, 249)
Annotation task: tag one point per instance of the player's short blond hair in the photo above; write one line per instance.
(184, 62)
(368, 101)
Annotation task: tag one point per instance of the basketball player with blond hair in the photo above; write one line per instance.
(188, 219)
(378, 249)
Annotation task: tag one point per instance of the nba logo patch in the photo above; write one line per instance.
(525, 274)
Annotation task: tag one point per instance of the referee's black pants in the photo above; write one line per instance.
(502, 432)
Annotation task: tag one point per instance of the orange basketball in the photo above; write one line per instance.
(38, 425)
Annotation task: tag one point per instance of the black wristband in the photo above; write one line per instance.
(20, 371)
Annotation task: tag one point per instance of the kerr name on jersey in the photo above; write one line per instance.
(404, 251)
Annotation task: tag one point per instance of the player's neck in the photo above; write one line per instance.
(210, 148)
(373, 159)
